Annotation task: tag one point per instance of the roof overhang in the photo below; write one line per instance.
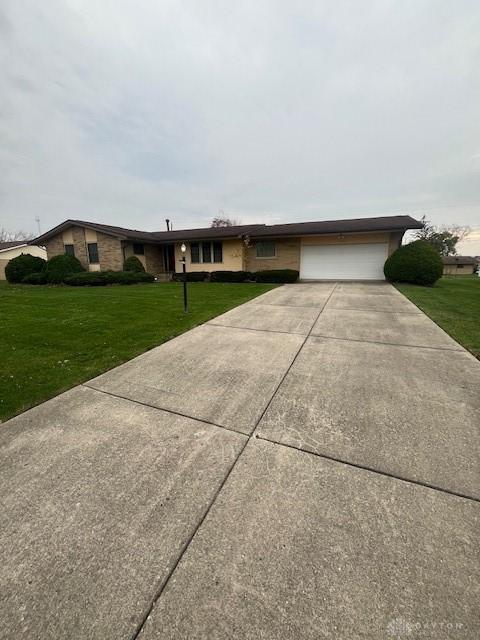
(15, 246)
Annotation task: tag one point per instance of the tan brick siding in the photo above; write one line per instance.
(110, 252)
(287, 256)
(3, 264)
(55, 246)
(79, 245)
(153, 259)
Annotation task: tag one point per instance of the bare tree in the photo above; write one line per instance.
(11, 236)
(461, 232)
(444, 239)
(222, 220)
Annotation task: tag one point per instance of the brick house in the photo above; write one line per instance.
(338, 249)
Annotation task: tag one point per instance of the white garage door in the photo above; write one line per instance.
(343, 261)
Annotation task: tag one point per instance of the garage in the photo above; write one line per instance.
(343, 261)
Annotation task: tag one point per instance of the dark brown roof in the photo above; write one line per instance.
(12, 243)
(118, 232)
(387, 223)
(208, 232)
(459, 260)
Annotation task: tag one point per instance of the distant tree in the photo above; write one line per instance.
(444, 238)
(224, 221)
(11, 236)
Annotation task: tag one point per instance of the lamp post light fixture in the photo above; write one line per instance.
(183, 249)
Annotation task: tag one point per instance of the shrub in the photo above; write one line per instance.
(277, 275)
(24, 265)
(192, 276)
(35, 278)
(102, 278)
(417, 263)
(230, 276)
(60, 267)
(133, 264)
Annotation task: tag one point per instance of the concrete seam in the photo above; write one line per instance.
(165, 582)
(389, 344)
(371, 470)
(175, 413)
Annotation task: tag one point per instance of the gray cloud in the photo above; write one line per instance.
(272, 111)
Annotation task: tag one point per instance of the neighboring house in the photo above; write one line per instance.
(9, 250)
(459, 265)
(337, 249)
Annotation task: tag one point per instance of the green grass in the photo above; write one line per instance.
(454, 304)
(52, 338)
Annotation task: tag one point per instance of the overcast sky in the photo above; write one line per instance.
(127, 112)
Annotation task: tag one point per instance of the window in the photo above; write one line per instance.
(265, 249)
(138, 249)
(194, 252)
(93, 253)
(217, 252)
(459, 266)
(206, 251)
(70, 250)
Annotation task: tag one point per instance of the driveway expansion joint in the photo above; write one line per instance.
(356, 465)
(408, 313)
(231, 326)
(252, 436)
(459, 349)
(175, 413)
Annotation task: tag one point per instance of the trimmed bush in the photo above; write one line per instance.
(60, 267)
(230, 276)
(276, 275)
(417, 263)
(35, 278)
(24, 265)
(192, 276)
(133, 264)
(102, 278)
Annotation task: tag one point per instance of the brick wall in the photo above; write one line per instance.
(287, 256)
(110, 252)
(55, 246)
(79, 244)
(153, 259)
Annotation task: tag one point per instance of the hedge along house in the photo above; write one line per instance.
(337, 250)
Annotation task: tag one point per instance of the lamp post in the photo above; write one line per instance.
(183, 261)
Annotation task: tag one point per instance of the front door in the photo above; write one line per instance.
(169, 257)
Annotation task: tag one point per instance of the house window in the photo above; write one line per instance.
(265, 249)
(459, 266)
(217, 252)
(70, 250)
(93, 253)
(138, 249)
(194, 252)
(206, 251)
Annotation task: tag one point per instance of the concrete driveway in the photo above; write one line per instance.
(304, 466)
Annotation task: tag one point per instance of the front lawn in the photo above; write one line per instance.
(53, 338)
(454, 304)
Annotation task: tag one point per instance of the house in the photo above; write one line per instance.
(14, 248)
(337, 249)
(459, 265)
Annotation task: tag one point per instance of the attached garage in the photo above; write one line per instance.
(343, 261)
